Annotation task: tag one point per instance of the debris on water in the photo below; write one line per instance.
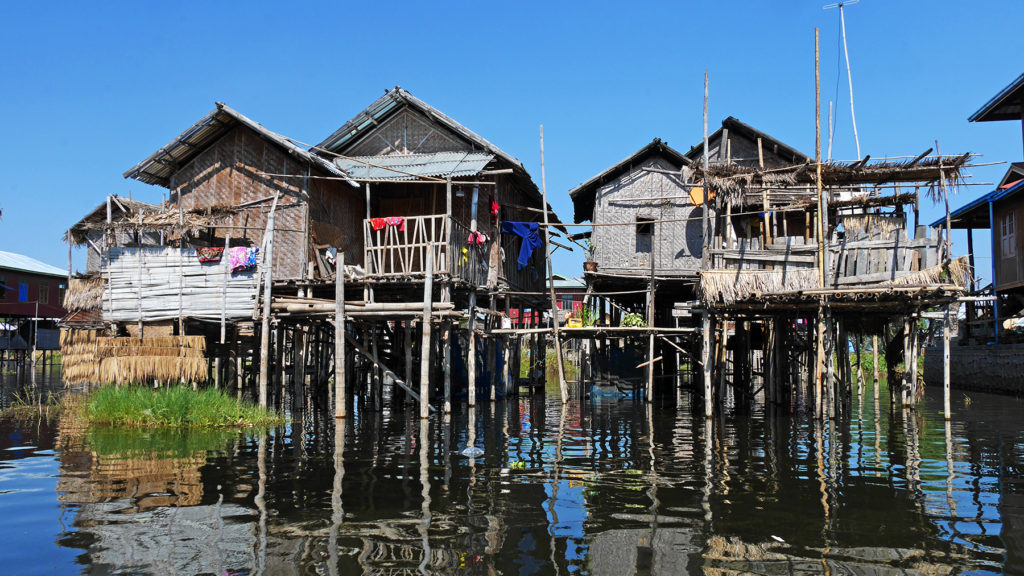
(777, 539)
(471, 452)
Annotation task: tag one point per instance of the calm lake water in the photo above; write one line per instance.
(609, 487)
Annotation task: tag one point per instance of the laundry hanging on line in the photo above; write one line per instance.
(242, 258)
(209, 254)
(476, 238)
(380, 223)
(531, 239)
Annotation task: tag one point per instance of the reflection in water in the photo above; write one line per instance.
(608, 487)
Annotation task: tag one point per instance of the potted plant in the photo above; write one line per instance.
(590, 265)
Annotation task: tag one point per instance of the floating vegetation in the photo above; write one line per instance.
(172, 407)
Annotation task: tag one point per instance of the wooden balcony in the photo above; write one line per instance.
(861, 261)
(394, 253)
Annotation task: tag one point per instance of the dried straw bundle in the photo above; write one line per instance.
(84, 294)
(166, 358)
(78, 349)
(957, 272)
(729, 286)
(858, 224)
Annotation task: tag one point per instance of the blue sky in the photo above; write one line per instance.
(92, 89)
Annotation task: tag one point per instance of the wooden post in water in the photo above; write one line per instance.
(471, 324)
(562, 385)
(649, 396)
(428, 298)
(907, 352)
(339, 339)
(268, 275)
(706, 362)
(945, 364)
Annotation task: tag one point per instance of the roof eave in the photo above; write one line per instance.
(987, 112)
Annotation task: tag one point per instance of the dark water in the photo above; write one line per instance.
(610, 487)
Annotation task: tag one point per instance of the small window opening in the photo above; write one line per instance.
(644, 234)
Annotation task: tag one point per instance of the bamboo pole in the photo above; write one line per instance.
(339, 339)
(428, 297)
(649, 396)
(706, 362)
(820, 232)
(562, 385)
(706, 216)
(945, 364)
(471, 324)
(267, 283)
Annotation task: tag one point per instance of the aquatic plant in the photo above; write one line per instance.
(173, 407)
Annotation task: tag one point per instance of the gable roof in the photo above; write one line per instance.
(734, 126)
(583, 195)
(162, 164)
(390, 103)
(22, 263)
(395, 100)
(1006, 105)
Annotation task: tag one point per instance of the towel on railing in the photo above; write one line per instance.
(531, 239)
(396, 221)
(378, 223)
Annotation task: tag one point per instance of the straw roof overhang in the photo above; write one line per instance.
(583, 195)
(393, 101)
(731, 180)
(160, 166)
(153, 217)
(84, 293)
(1006, 105)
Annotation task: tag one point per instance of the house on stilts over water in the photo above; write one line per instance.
(425, 218)
(987, 354)
(745, 287)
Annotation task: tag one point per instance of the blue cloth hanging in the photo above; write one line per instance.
(531, 239)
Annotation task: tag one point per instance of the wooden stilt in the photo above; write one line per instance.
(945, 363)
(268, 274)
(340, 400)
(706, 362)
(471, 353)
(907, 352)
(407, 339)
(428, 299)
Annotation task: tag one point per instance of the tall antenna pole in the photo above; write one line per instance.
(849, 75)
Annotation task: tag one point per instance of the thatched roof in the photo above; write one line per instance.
(153, 217)
(84, 293)
(732, 180)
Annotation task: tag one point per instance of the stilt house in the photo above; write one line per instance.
(998, 211)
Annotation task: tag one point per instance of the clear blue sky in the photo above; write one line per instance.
(92, 88)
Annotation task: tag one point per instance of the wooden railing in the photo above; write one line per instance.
(864, 260)
(470, 261)
(393, 252)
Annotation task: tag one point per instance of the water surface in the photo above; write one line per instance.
(605, 487)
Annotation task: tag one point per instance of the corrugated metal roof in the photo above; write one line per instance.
(13, 261)
(413, 166)
(162, 164)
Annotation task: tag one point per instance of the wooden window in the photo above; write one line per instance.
(644, 234)
(1008, 235)
(44, 292)
(3, 287)
(61, 289)
(566, 303)
(22, 290)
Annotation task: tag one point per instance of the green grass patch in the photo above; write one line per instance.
(173, 407)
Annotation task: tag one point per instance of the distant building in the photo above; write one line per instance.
(30, 288)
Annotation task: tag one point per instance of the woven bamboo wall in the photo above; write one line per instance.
(231, 172)
(678, 245)
(407, 131)
(166, 283)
